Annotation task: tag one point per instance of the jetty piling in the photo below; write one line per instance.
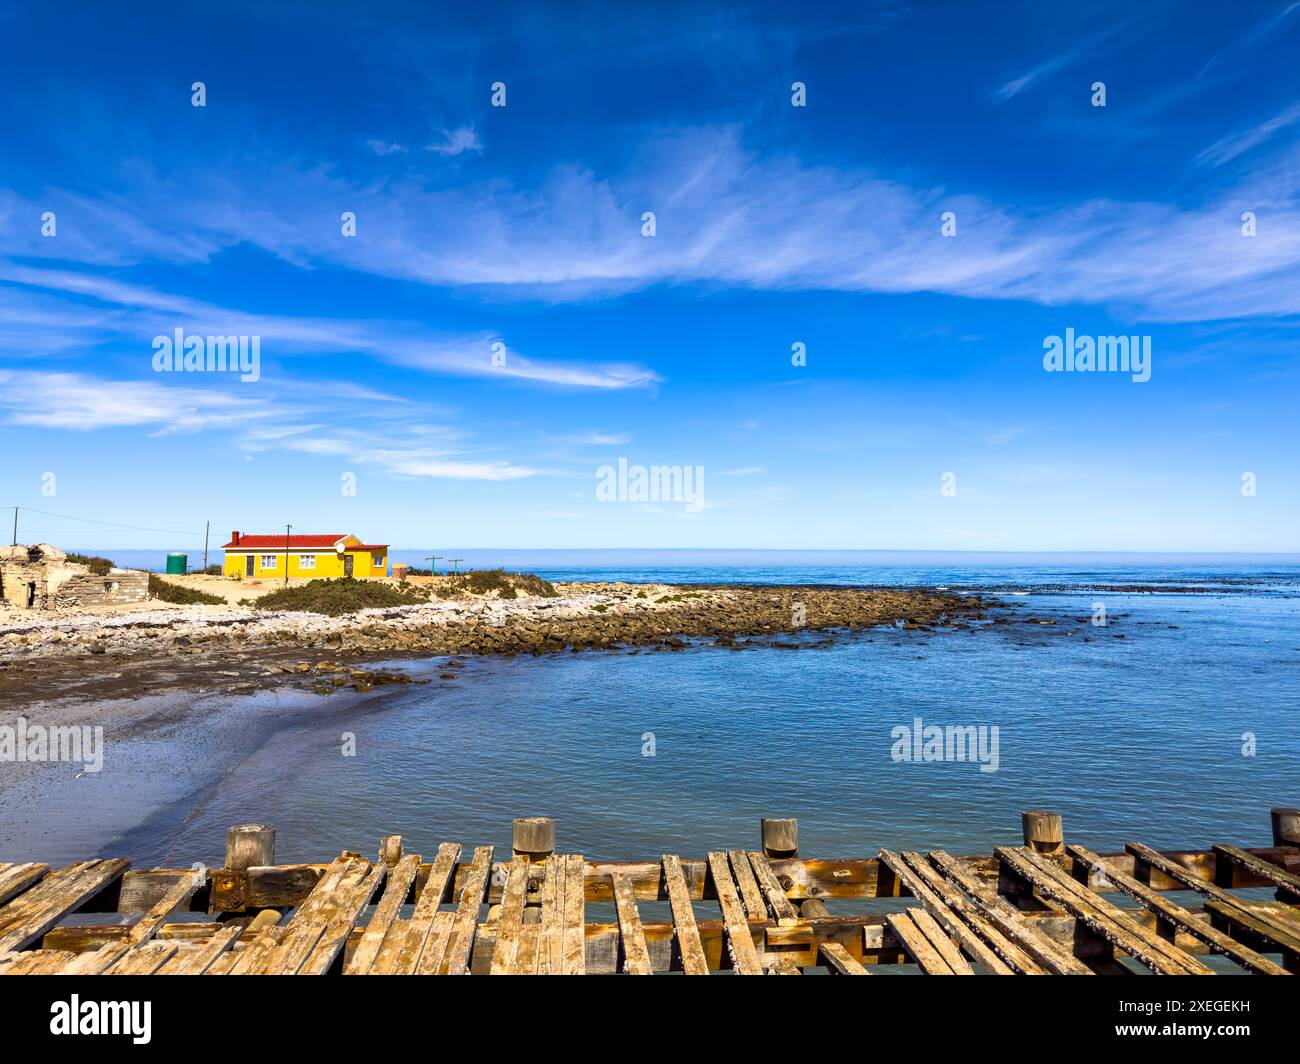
(1041, 907)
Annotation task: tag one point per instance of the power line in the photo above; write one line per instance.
(112, 524)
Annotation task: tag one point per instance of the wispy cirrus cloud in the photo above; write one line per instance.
(261, 422)
(1062, 60)
(1227, 149)
(728, 215)
(140, 313)
(81, 403)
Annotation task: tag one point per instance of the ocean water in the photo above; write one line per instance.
(1176, 724)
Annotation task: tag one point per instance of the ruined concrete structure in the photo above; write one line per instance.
(41, 577)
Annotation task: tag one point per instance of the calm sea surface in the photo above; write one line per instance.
(1133, 730)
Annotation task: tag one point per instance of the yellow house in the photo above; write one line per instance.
(309, 557)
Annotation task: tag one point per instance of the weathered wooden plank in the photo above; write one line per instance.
(917, 945)
(147, 926)
(340, 914)
(781, 907)
(1006, 955)
(1262, 869)
(1008, 920)
(96, 961)
(1104, 919)
(224, 964)
(1270, 926)
(16, 878)
(944, 946)
(460, 944)
(527, 956)
(840, 961)
(744, 957)
(1177, 916)
(684, 926)
(636, 958)
(511, 920)
(301, 938)
(575, 951)
(144, 961)
(1260, 926)
(31, 914)
(197, 959)
(952, 923)
(426, 942)
(250, 958)
(386, 912)
(550, 946)
(743, 875)
(43, 962)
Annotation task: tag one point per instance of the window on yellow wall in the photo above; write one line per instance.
(266, 561)
(377, 561)
(307, 561)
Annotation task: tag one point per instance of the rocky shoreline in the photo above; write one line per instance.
(209, 648)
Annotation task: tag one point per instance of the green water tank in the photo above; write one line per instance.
(177, 563)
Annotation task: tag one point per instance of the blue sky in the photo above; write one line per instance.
(775, 225)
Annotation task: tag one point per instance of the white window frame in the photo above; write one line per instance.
(306, 561)
(268, 561)
(376, 561)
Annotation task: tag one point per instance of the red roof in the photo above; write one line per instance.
(308, 542)
(256, 542)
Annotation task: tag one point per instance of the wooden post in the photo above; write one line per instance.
(534, 836)
(249, 846)
(1286, 826)
(780, 838)
(390, 849)
(1043, 831)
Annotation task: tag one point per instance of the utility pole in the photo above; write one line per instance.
(286, 554)
(15, 526)
(206, 528)
(455, 563)
(433, 560)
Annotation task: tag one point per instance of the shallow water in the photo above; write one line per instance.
(1139, 737)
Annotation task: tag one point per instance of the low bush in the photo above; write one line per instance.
(180, 596)
(339, 596)
(98, 566)
(486, 581)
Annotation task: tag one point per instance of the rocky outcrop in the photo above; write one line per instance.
(585, 616)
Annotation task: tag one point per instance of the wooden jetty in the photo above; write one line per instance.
(1040, 908)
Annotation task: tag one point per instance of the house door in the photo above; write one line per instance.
(347, 565)
(248, 565)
